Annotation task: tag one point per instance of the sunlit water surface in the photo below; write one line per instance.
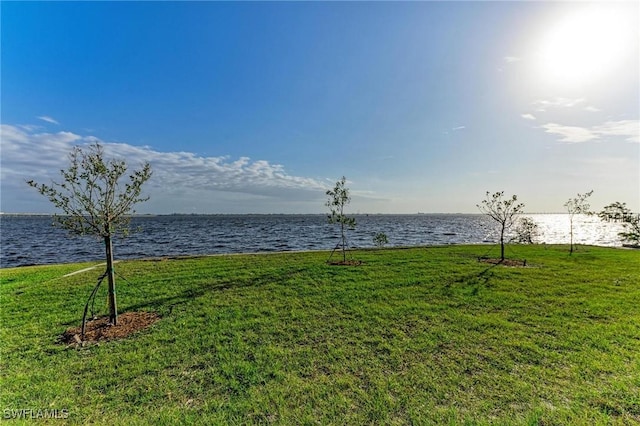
(28, 240)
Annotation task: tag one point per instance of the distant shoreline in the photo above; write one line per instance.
(278, 214)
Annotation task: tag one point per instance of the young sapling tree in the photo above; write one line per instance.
(618, 212)
(338, 198)
(502, 210)
(380, 239)
(574, 206)
(96, 197)
(526, 231)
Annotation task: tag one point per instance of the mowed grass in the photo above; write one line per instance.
(411, 336)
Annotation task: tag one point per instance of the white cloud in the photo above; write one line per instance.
(570, 133)
(558, 102)
(39, 156)
(511, 59)
(528, 116)
(592, 108)
(542, 105)
(25, 151)
(455, 129)
(48, 119)
(628, 129)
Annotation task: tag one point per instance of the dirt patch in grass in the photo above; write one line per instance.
(100, 330)
(505, 262)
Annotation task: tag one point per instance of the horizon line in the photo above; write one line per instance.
(276, 214)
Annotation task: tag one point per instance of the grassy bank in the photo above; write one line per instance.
(423, 336)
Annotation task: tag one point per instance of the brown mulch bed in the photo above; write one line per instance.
(505, 262)
(100, 330)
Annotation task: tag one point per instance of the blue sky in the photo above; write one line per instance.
(260, 107)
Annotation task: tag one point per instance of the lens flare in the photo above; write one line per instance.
(584, 46)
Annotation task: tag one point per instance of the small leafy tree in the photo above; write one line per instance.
(632, 230)
(95, 201)
(380, 239)
(502, 210)
(526, 231)
(618, 212)
(615, 212)
(338, 198)
(577, 205)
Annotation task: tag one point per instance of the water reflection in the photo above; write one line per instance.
(32, 240)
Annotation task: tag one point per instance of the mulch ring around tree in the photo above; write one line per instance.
(99, 329)
(505, 262)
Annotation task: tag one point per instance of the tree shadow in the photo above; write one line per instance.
(166, 304)
(504, 262)
(475, 281)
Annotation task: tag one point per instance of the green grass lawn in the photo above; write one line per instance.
(411, 336)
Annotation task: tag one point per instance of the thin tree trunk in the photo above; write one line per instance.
(344, 253)
(571, 235)
(502, 241)
(113, 308)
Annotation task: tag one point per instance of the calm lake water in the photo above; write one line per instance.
(29, 240)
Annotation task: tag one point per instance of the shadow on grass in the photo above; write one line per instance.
(475, 281)
(165, 305)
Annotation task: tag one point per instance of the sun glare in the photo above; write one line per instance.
(585, 46)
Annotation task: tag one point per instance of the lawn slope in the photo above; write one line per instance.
(422, 335)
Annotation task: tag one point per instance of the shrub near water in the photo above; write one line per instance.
(424, 335)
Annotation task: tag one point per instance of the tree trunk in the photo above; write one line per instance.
(344, 252)
(502, 243)
(113, 308)
(571, 235)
